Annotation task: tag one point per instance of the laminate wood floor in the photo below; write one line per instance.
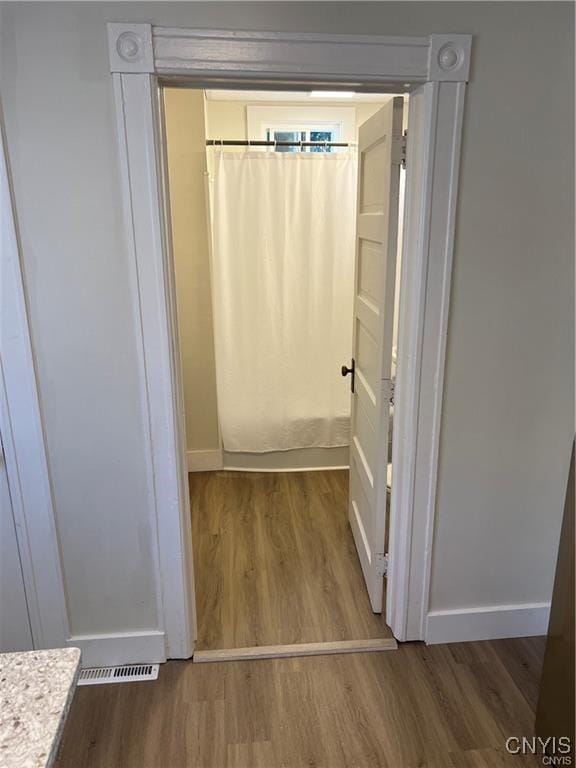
(275, 562)
(444, 706)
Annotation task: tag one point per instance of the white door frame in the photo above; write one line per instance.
(434, 69)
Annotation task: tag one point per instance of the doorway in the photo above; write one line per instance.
(434, 70)
(285, 210)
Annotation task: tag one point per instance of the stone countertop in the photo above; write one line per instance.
(36, 690)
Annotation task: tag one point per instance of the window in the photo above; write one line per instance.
(301, 123)
(301, 134)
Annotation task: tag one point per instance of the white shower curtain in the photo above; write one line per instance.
(283, 271)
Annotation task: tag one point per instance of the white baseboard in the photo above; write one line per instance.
(123, 648)
(204, 461)
(232, 468)
(293, 460)
(492, 622)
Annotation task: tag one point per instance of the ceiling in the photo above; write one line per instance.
(275, 96)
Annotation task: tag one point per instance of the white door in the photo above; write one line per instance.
(15, 634)
(380, 156)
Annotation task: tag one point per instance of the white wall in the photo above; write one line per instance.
(508, 414)
(15, 632)
(229, 119)
(186, 164)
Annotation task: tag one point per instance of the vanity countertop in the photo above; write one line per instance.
(36, 690)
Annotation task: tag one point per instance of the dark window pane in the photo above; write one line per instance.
(320, 136)
(287, 136)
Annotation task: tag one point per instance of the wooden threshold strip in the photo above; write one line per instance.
(296, 649)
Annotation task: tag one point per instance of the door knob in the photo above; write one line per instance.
(345, 371)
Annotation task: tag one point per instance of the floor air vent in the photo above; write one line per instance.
(127, 673)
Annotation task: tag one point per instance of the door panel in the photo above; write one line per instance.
(372, 194)
(365, 434)
(366, 358)
(368, 262)
(15, 634)
(377, 230)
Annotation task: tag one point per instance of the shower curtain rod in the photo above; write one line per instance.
(264, 143)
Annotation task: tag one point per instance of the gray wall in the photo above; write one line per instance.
(508, 414)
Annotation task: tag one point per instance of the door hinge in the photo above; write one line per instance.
(382, 564)
(404, 143)
(399, 149)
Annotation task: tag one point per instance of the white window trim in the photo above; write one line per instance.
(436, 68)
(260, 118)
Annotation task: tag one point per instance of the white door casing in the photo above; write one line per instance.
(436, 64)
(379, 160)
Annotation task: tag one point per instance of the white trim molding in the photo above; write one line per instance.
(434, 136)
(141, 48)
(449, 58)
(294, 460)
(204, 461)
(309, 56)
(492, 622)
(145, 219)
(434, 70)
(130, 48)
(122, 648)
